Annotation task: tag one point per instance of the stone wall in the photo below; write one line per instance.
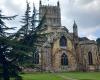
(58, 51)
(86, 47)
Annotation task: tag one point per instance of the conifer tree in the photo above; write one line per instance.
(4, 46)
(98, 42)
(33, 18)
(34, 35)
(3, 26)
(13, 48)
(26, 21)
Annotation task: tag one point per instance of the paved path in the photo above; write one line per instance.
(65, 77)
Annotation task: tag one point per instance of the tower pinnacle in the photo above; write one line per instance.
(75, 30)
(58, 4)
(40, 2)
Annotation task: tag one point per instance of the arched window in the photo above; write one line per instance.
(63, 41)
(90, 58)
(36, 58)
(64, 59)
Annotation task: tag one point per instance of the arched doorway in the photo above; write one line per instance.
(90, 59)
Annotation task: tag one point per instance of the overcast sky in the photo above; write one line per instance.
(86, 13)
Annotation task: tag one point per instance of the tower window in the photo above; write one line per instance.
(90, 58)
(64, 59)
(63, 41)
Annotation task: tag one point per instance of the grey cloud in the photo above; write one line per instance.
(12, 7)
(84, 18)
(71, 10)
(87, 19)
(84, 2)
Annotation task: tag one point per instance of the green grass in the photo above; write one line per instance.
(62, 76)
(83, 75)
(41, 76)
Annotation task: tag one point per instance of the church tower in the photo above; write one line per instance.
(53, 14)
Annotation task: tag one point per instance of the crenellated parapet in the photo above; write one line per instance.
(52, 16)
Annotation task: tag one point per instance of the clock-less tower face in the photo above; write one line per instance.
(53, 15)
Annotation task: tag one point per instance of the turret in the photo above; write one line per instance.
(58, 4)
(40, 3)
(75, 29)
(75, 34)
(79, 56)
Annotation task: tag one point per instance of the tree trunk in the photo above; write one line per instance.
(4, 63)
(4, 67)
(5, 71)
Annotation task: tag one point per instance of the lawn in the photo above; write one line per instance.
(41, 76)
(83, 75)
(62, 76)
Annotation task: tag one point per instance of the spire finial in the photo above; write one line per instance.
(75, 25)
(40, 2)
(58, 4)
(75, 29)
(74, 21)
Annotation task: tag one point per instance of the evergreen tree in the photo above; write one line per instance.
(98, 42)
(14, 48)
(3, 26)
(33, 18)
(26, 21)
(34, 35)
(4, 46)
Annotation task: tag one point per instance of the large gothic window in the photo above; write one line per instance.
(64, 59)
(36, 58)
(63, 41)
(90, 58)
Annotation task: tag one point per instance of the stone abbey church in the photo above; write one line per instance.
(62, 50)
